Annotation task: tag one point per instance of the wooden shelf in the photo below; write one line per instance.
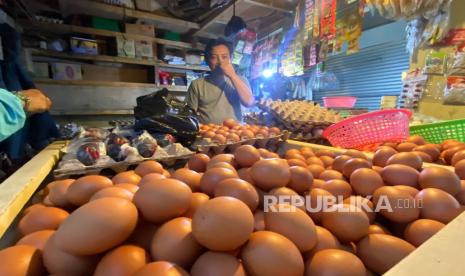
(173, 88)
(46, 53)
(91, 112)
(68, 29)
(115, 12)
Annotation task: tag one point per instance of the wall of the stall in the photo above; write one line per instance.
(434, 107)
(374, 71)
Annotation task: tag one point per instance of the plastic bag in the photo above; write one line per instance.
(455, 91)
(145, 144)
(457, 67)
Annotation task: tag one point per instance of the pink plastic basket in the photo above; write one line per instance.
(390, 125)
(339, 101)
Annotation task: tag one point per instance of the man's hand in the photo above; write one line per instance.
(37, 103)
(228, 69)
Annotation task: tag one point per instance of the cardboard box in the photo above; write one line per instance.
(140, 29)
(84, 46)
(41, 70)
(66, 71)
(144, 49)
(112, 73)
(147, 5)
(125, 47)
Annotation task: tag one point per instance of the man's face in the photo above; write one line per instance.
(220, 55)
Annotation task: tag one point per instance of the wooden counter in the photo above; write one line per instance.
(16, 191)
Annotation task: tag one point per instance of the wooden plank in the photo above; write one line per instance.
(120, 13)
(179, 44)
(175, 88)
(16, 191)
(442, 254)
(268, 6)
(91, 112)
(215, 16)
(186, 67)
(93, 58)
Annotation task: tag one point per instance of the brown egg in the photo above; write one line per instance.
(48, 218)
(398, 174)
(224, 157)
(33, 207)
(219, 139)
(458, 156)
(459, 169)
(424, 156)
(363, 203)
(246, 134)
(60, 262)
(21, 260)
(143, 234)
(406, 147)
(36, 239)
(83, 188)
(354, 164)
(319, 199)
(378, 229)
(324, 152)
(396, 205)
(197, 200)
(189, 177)
(295, 225)
(390, 144)
(240, 189)
(147, 167)
(301, 179)
(315, 161)
(325, 240)
(232, 138)
(440, 178)
(209, 134)
(166, 174)
(269, 253)
(259, 218)
(244, 174)
(382, 155)
(198, 162)
(355, 154)
(221, 165)
(93, 229)
(287, 194)
(330, 175)
(57, 192)
(121, 261)
(113, 192)
(421, 230)
(429, 149)
(296, 162)
(275, 131)
(268, 174)
(339, 162)
(217, 263)
(318, 183)
(327, 160)
(338, 188)
(126, 177)
(150, 178)
(377, 169)
(174, 242)
(416, 139)
(160, 268)
(346, 222)
(213, 177)
(316, 170)
(334, 262)
(246, 155)
(449, 153)
(47, 202)
(438, 205)
(294, 156)
(460, 196)
(406, 158)
(222, 224)
(381, 252)
(365, 181)
(292, 152)
(410, 190)
(163, 200)
(230, 123)
(307, 152)
(263, 133)
(130, 187)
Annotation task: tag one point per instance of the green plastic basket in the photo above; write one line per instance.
(438, 132)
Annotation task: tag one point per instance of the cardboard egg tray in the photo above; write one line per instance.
(117, 167)
(205, 145)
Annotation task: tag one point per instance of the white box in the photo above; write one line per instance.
(66, 71)
(125, 47)
(144, 49)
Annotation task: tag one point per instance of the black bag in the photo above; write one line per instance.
(160, 112)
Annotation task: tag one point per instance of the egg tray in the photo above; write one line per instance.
(230, 147)
(117, 167)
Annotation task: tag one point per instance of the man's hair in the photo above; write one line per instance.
(217, 42)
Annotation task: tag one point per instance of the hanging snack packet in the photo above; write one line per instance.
(455, 91)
